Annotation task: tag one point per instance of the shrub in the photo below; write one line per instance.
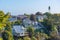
(33, 38)
(27, 38)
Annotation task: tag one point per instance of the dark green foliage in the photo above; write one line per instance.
(30, 30)
(32, 17)
(5, 36)
(18, 22)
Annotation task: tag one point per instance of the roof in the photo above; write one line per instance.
(12, 19)
(21, 16)
(18, 28)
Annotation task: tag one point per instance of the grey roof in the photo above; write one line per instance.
(21, 16)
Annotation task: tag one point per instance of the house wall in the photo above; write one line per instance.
(18, 30)
(39, 18)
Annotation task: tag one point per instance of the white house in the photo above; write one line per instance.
(39, 17)
(18, 30)
(26, 22)
(37, 25)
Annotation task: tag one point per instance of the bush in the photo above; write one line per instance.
(33, 38)
(27, 38)
(19, 39)
(30, 30)
(1, 38)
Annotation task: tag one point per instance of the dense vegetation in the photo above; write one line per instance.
(51, 24)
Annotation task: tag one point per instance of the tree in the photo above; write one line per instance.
(38, 13)
(27, 15)
(27, 38)
(48, 14)
(30, 30)
(18, 22)
(1, 39)
(54, 36)
(4, 23)
(1, 14)
(20, 39)
(3, 20)
(33, 38)
(8, 28)
(41, 36)
(47, 24)
(49, 8)
(54, 28)
(32, 17)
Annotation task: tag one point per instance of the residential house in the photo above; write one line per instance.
(26, 22)
(20, 17)
(40, 16)
(18, 30)
(37, 25)
(13, 18)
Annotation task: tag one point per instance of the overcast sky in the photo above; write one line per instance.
(17, 7)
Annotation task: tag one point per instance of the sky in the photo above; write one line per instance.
(17, 7)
